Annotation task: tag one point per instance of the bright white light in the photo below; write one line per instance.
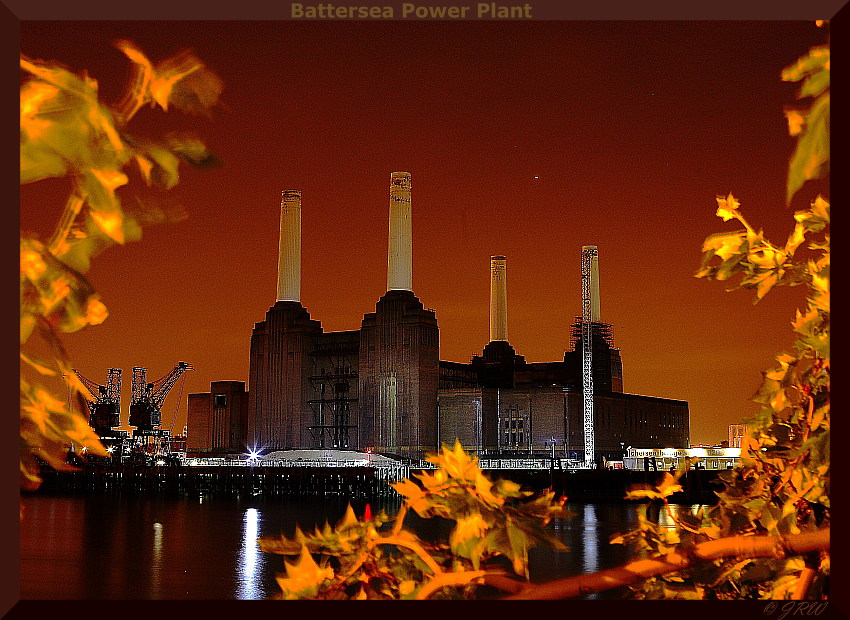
(590, 540)
(110, 449)
(160, 462)
(250, 560)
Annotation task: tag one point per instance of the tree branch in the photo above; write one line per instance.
(738, 546)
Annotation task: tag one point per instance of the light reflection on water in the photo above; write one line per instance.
(156, 560)
(186, 548)
(667, 517)
(251, 560)
(590, 542)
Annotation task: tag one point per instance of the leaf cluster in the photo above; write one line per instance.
(781, 486)
(495, 525)
(67, 131)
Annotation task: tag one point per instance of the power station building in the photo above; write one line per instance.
(383, 387)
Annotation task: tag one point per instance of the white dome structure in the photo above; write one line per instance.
(326, 458)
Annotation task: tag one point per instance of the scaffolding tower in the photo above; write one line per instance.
(590, 312)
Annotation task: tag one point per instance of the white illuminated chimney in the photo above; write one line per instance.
(400, 254)
(289, 256)
(590, 287)
(498, 299)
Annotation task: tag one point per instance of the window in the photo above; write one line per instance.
(219, 401)
(515, 426)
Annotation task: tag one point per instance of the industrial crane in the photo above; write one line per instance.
(104, 402)
(147, 399)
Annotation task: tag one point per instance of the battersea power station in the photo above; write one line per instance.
(383, 388)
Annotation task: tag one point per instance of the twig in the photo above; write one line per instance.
(803, 583)
(399, 519)
(58, 243)
(450, 579)
(413, 546)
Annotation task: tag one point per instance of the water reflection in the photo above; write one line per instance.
(156, 561)
(250, 562)
(668, 516)
(590, 540)
(114, 547)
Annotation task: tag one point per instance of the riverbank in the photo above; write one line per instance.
(698, 486)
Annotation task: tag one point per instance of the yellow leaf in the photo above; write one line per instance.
(765, 284)
(304, 578)
(795, 238)
(40, 367)
(712, 531)
(168, 73)
(820, 208)
(32, 265)
(779, 402)
(820, 284)
(468, 528)
(96, 312)
(724, 244)
(669, 485)
(727, 208)
(766, 256)
(795, 121)
(483, 486)
(110, 223)
(349, 518)
(415, 496)
(145, 167)
(817, 419)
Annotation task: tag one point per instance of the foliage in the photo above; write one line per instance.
(66, 131)
(781, 486)
(739, 547)
(495, 524)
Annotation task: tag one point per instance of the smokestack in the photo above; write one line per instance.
(400, 255)
(498, 299)
(289, 255)
(590, 280)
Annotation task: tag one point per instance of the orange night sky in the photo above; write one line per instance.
(528, 139)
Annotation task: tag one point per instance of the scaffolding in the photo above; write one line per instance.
(335, 373)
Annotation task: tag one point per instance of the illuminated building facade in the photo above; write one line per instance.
(736, 433)
(384, 388)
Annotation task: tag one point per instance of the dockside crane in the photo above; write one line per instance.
(104, 402)
(147, 399)
(146, 410)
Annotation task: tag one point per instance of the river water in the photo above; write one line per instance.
(113, 546)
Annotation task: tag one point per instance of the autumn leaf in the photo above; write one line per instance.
(467, 535)
(416, 497)
(67, 131)
(795, 121)
(725, 245)
(304, 578)
(727, 208)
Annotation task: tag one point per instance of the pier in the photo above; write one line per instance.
(354, 482)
